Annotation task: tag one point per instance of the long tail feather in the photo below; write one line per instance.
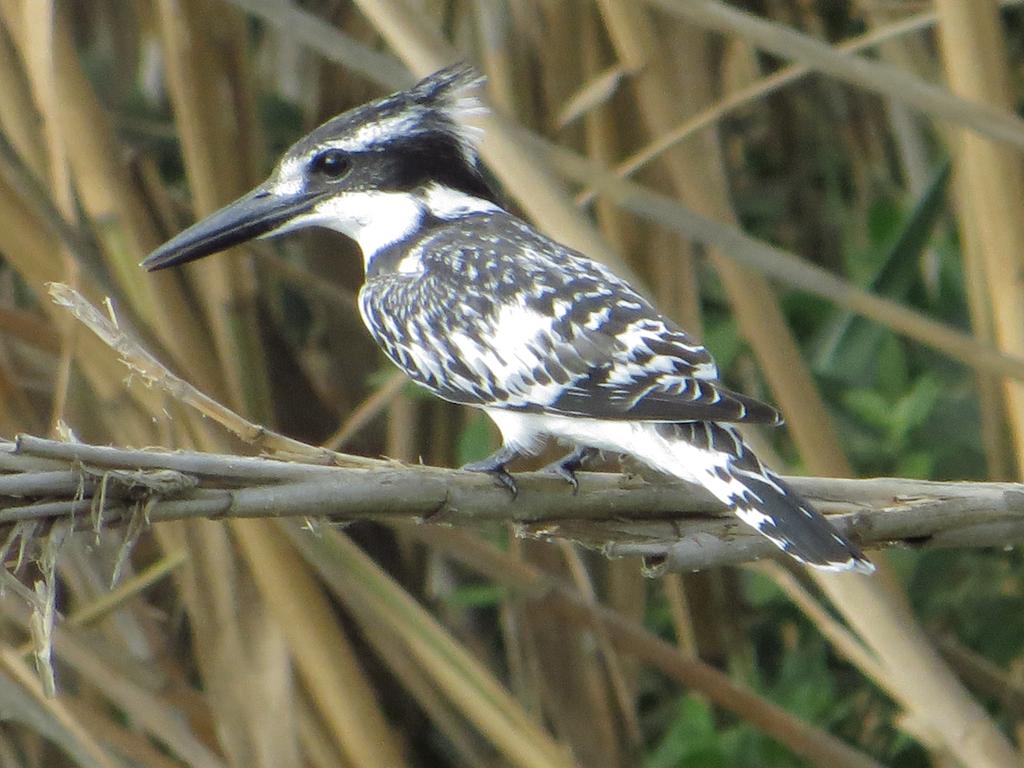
(718, 459)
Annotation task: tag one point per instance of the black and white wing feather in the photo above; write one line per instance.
(493, 314)
(716, 457)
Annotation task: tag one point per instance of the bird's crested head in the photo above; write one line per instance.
(371, 173)
(419, 136)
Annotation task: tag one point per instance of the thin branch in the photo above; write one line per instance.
(139, 360)
(878, 77)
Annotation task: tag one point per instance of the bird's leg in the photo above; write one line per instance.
(495, 465)
(567, 466)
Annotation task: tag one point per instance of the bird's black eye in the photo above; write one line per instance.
(331, 164)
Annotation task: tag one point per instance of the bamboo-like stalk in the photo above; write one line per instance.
(578, 685)
(154, 717)
(991, 179)
(909, 140)
(625, 587)
(33, 252)
(917, 675)
(18, 115)
(127, 744)
(38, 27)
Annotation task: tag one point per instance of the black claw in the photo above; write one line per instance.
(569, 475)
(495, 465)
(502, 475)
(567, 467)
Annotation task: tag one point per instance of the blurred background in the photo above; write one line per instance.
(122, 121)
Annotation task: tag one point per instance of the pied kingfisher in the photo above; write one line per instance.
(481, 309)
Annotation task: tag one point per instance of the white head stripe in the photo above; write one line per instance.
(447, 203)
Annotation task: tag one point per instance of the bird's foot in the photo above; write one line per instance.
(567, 466)
(495, 465)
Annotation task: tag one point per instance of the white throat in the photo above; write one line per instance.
(376, 219)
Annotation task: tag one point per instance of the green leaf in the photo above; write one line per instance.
(894, 278)
(476, 596)
(916, 406)
(691, 735)
(870, 407)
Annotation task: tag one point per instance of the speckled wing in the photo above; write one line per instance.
(533, 326)
(628, 362)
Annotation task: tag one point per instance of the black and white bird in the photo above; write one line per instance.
(481, 309)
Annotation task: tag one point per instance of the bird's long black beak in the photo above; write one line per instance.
(257, 213)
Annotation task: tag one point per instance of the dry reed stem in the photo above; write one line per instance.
(844, 641)
(322, 653)
(1000, 459)
(116, 737)
(218, 170)
(621, 685)
(51, 716)
(871, 75)
(374, 404)
(572, 681)
(18, 114)
(317, 746)
(116, 597)
(991, 179)
(149, 712)
(676, 283)
(126, 230)
(31, 250)
(983, 675)
(916, 674)
(31, 246)
(373, 596)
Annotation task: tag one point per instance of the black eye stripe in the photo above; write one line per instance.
(331, 163)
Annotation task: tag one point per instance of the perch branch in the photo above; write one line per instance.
(672, 526)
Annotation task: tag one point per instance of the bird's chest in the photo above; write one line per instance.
(456, 287)
(418, 321)
(397, 306)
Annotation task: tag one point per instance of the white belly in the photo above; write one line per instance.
(528, 431)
